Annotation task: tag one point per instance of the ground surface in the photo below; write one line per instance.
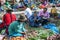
(39, 33)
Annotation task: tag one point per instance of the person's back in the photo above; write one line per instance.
(53, 10)
(8, 18)
(28, 12)
(18, 28)
(11, 18)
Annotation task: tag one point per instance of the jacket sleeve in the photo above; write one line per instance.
(48, 15)
(39, 18)
(3, 19)
(23, 28)
(2, 24)
(31, 18)
(15, 17)
(10, 29)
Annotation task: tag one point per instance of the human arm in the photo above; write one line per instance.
(10, 29)
(31, 18)
(23, 29)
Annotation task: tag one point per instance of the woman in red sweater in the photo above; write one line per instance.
(8, 18)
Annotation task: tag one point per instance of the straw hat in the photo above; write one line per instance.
(9, 10)
(22, 17)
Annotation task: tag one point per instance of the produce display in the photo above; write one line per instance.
(39, 34)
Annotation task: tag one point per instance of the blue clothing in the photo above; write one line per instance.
(52, 27)
(32, 21)
(15, 6)
(53, 1)
(26, 1)
(21, 4)
(16, 28)
(1, 8)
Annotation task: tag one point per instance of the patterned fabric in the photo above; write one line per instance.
(14, 38)
(18, 38)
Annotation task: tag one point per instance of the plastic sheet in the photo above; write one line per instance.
(52, 27)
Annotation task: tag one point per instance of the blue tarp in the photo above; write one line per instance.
(52, 27)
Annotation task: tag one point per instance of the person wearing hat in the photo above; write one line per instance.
(8, 18)
(34, 20)
(17, 29)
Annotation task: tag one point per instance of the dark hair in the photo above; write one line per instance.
(9, 10)
(35, 11)
(53, 6)
(25, 5)
(45, 8)
(21, 17)
(0, 4)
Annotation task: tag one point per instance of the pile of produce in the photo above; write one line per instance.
(39, 34)
(54, 37)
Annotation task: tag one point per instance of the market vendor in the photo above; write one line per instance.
(7, 19)
(34, 20)
(44, 15)
(18, 28)
(43, 4)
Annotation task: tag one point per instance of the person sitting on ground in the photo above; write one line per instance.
(21, 4)
(28, 11)
(44, 15)
(43, 4)
(1, 8)
(34, 20)
(18, 28)
(54, 11)
(7, 19)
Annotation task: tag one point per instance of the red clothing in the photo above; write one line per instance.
(7, 20)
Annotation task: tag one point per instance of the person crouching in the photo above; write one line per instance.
(34, 20)
(17, 29)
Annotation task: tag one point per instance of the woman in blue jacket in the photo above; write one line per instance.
(34, 20)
